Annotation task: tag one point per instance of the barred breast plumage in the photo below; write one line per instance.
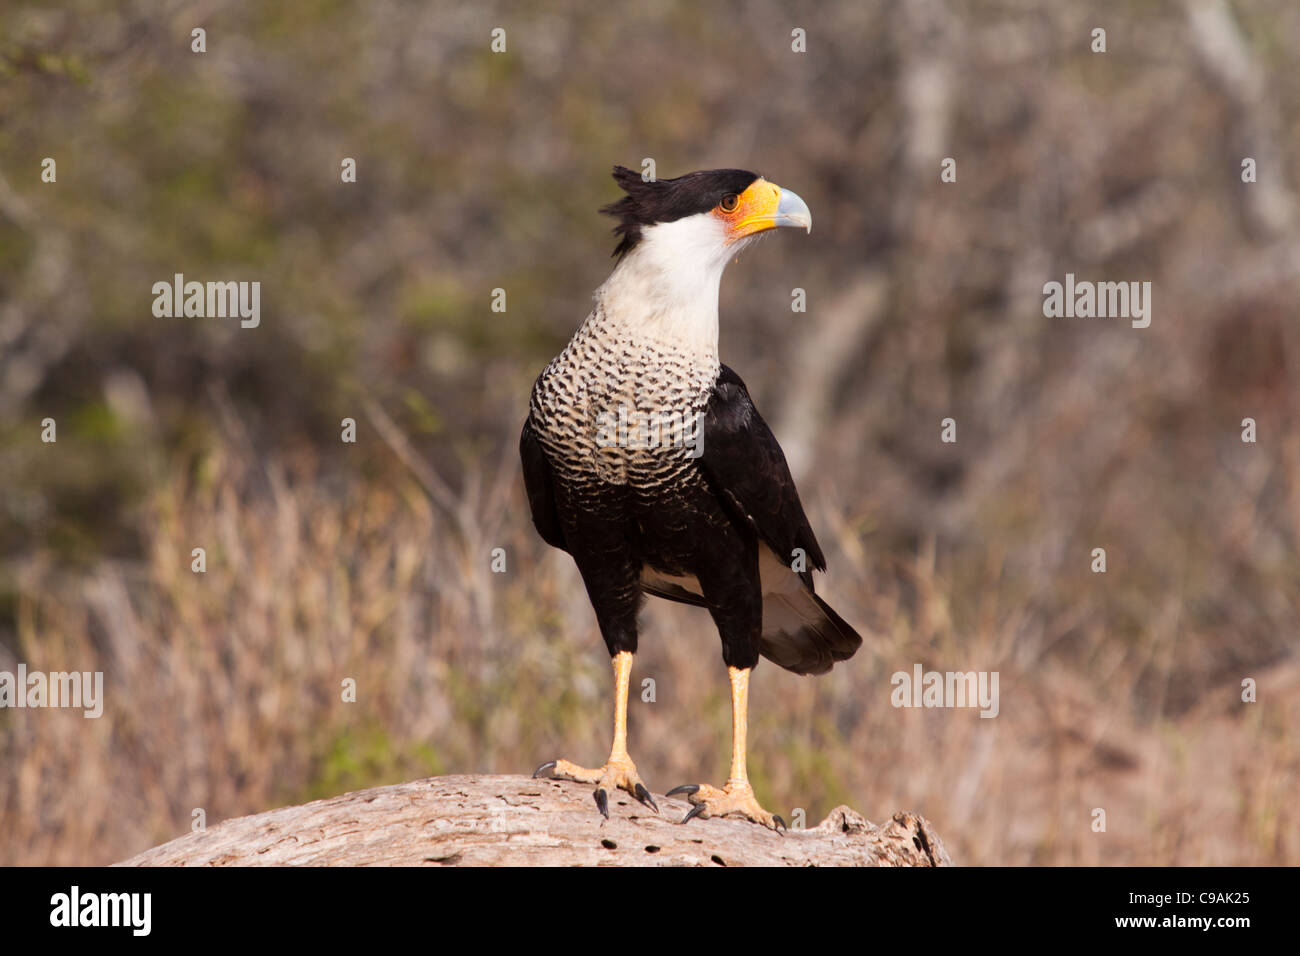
(652, 391)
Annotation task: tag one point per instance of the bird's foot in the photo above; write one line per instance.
(619, 773)
(734, 798)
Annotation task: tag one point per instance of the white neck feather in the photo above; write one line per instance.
(666, 288)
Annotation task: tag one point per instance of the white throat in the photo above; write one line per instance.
(666, 288)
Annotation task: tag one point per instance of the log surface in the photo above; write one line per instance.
(518, 821)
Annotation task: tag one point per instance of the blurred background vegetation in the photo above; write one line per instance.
(479, 170)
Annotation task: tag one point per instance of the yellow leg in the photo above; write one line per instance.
(619, 772)
(739, 776)
(737, 797)
(622, 679)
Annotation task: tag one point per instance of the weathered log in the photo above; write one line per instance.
(518, 821)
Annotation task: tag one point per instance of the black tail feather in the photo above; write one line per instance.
(803, 634)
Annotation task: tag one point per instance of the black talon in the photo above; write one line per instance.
(780, 824)
(602, 802)
(548, 767)
(695, 810)
(684, 788)
(643, 795)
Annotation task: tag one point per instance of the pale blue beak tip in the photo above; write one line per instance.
(793, 211)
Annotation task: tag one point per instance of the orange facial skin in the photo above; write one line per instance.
(760, 207)
(755, 210)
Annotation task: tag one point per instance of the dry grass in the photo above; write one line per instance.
(224, 688)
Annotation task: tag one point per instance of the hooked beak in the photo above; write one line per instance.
(793, 211)
(766, 206)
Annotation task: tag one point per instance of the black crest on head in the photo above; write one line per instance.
(666, 200)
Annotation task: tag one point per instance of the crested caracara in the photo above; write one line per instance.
(645, 460)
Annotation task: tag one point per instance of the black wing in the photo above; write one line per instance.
(747, 471)
(540, 485)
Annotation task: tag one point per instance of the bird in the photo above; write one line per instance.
(645, 459)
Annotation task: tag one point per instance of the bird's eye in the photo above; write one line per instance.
(729, 202)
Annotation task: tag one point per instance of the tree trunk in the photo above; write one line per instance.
(518, 821)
